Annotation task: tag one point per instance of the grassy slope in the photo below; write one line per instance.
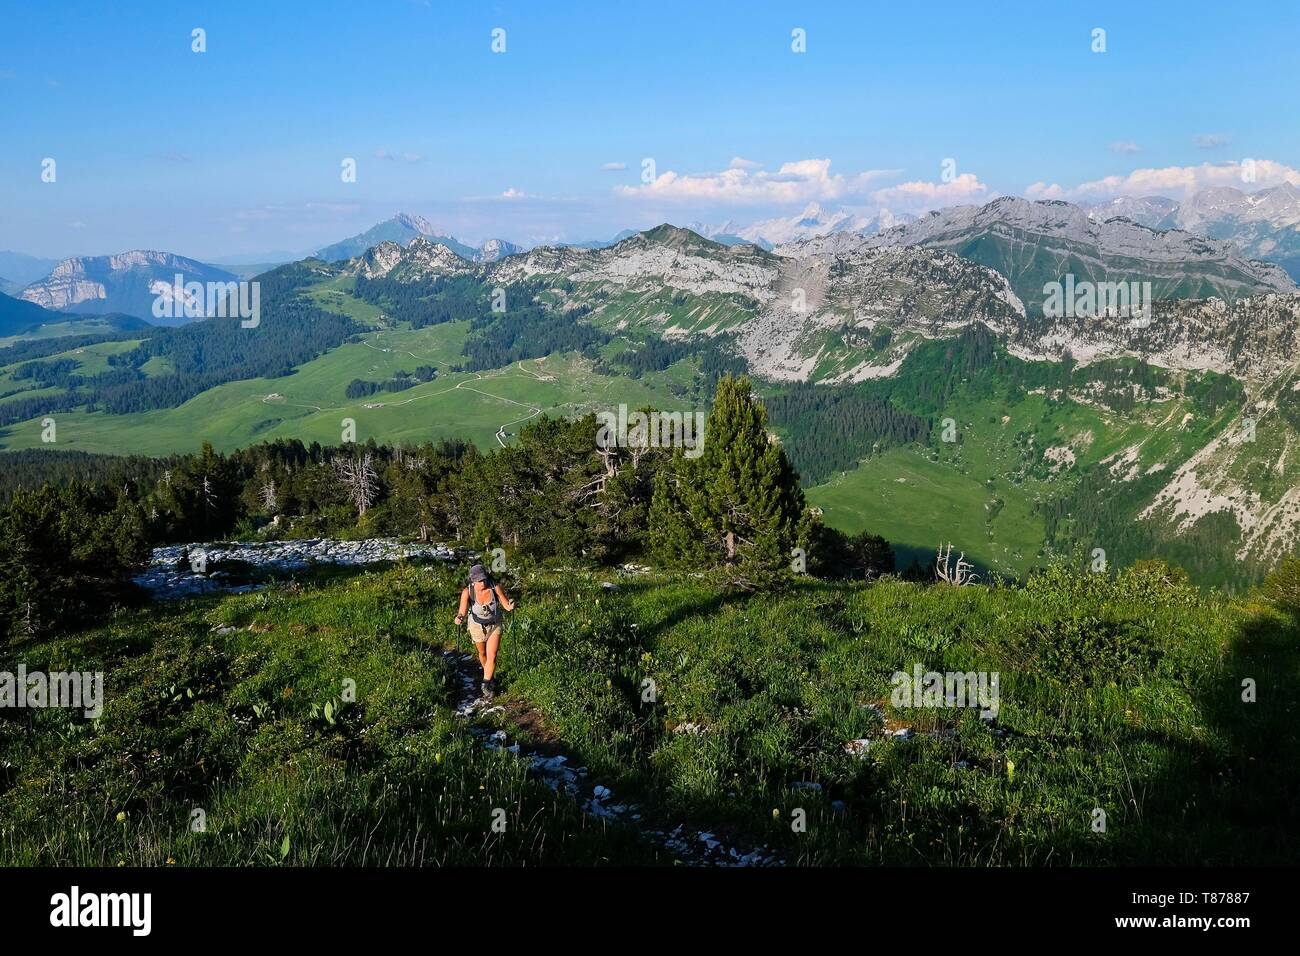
(916, 503)
(394, 780)
(91, 360)
(89, 325)
(1141, 718)
(311, 403)
(980, 492)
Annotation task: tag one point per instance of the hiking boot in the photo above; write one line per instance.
(489, 689)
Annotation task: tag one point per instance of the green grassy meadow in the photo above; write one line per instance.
(310, 404)
(1122, 695)
(983, 491)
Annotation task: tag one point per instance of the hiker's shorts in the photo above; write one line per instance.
(479, 633)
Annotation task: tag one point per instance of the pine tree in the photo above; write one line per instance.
(738, 505)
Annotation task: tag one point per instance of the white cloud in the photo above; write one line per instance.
(392, 157)
(1209, 140)
(513, 193)
(614, 167)
(1125, 146)
(739, 162)
(806, 180)
(1176, 182)
(1041, 190)
(921, 196)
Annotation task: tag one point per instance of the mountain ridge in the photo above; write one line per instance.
(405, 228)
(123, 282)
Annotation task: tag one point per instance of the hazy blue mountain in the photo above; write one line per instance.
(401, 229)
(22, 269)
(19, 317)
(125, 282)
(599, 243)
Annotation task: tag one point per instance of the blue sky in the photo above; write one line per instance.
(237, 151)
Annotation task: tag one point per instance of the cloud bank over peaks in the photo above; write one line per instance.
(1177, 182)
(745, 182)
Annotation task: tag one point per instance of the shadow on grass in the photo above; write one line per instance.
(1239, 806)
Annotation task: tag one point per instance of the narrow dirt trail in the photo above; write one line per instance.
(683, 842)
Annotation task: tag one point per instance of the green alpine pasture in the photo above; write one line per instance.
(310, 404)
(1124, 733)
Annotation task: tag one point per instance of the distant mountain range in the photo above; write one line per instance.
(806, 309)
(125, 283)
(403, 229)
(1034, 243)
(17, 270)
(1220, 241)
(1261, 225)
(814, 220)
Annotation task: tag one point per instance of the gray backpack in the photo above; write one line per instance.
(489, 612)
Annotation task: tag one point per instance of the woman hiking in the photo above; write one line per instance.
(483, 599)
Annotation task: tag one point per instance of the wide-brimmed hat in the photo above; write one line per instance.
(478, 573)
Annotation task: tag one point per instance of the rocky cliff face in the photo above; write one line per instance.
(809, 309)
(119, 283)
(1253, 339)
(421, 259)
(1034, 243)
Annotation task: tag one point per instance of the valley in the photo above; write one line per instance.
(582, 443)
(944, 406)
(310, 404)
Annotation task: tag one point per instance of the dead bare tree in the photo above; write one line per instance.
(269, 501)
(959, 574)
(359, 478)
(590, 492)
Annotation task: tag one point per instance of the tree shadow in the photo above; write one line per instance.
(1229, 797)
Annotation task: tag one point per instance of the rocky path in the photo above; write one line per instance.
(183, 570)
(683, 842)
